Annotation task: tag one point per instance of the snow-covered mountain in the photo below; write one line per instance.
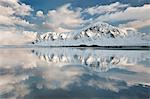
(101, 34)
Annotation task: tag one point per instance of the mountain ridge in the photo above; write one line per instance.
(100, 34)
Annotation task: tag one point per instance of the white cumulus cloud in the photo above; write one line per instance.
(39, 13)
(102, 9)
(11, 19)
(136, 17)
(63, 19)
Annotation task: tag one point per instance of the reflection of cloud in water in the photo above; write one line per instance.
(15, 66)
(57, 77)
(68, 69)
(16, 57)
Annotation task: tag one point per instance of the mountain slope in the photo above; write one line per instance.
(100, 34)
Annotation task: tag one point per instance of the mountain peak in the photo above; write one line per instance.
(100, 28)
(101, 34)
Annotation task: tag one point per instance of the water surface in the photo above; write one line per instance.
(74, 73)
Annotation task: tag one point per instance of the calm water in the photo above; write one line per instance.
(74, 73)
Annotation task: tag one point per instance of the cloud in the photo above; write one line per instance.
(12, 22)
(14, 36)
(19, 8)
(138, 24)
(136, 17)
(106, 8)
(131, 13)
(12, 11)
(39, 14)
(63, 19)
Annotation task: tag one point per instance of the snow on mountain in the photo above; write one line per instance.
(101, 34)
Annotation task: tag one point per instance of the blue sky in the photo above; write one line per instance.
(47, 5)
(25, 17)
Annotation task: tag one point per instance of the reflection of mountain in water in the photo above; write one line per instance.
(97, 60)
(24, 76)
